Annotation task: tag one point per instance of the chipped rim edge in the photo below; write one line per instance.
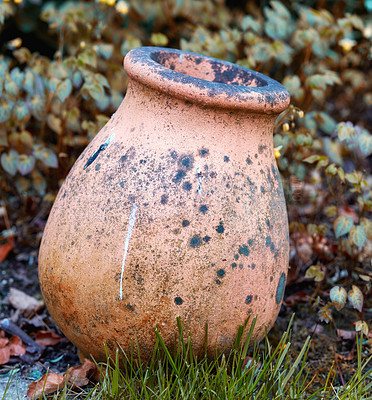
(140, 66)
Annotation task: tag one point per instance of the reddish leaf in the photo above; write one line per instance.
(48, 383)
(5, 249)
(298, 297)
(3, 342)
(47, 338)
(79, 376)
(4, 355)
(16, 346)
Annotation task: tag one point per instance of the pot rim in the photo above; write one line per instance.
(143, 65)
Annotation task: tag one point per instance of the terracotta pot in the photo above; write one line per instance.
(174, 209)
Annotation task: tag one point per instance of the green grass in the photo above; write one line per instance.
(271, 373)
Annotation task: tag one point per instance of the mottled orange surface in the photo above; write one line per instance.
(175, 209)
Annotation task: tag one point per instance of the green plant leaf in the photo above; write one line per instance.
(365, 143)
(22, 185)
(11, 88)
(20, 111)
(338, 296)
(46, 155)
(361, 326)
(88, 57)
(159, 39)
(355, 297)
(354, 177)
(9, 162)
(39, 184)
(312, 159)
(25, 164)
(345, 131)
(6, 108)
(55, 123)
(358, 235)
(367, 225)
(315, 272)
(331, 211)
(342, 225)
(64, 89)
(331, 170)
(26, 138)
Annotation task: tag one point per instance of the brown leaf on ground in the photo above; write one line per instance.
(79, 376)
(5, 249)
(298, 297)
(16, 346)
(3, 342)
(4, 355)
(349, 357)
(23, 302)
(47, 338)
(48, 383)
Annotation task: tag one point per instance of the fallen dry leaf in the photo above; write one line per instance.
(47, 338)
(4, 355)
(5, 249)
(298, 297)
(349, 357)
(346, 335)
(3, 342)
(48, 383)
(79, 376)
(16, 346)
(23, 302)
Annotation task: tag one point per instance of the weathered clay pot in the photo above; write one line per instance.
(175, 209)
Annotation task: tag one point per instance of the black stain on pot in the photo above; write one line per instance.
(186, 162)
(195, 241)
(218, 282)
(263, 191)
(280, 289)
(213, 175)
(248, 300)
(178, 300)
(236, 256)
(250, 242)
(206, 239)
(130, 307)
(187, 186)
(220, 228)
(248, 161)
(123, 158)
(241, 266)
(221, 273)
(268, 222)
(261, 149)
(226, 159)
(256, 155)
(185, 223)
(174, 155)
(234, 265)
(97, 167)
(203, 152)
(203, 208)
(253, 266)
(122, 184)
(179, 176)
(243, 250)
(164, 199)
(268, 241)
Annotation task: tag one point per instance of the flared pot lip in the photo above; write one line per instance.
(269, 97)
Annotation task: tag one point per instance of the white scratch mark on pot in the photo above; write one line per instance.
(199, 177)
(100, 148)
(132, 220)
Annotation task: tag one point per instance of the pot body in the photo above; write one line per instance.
(174, 209)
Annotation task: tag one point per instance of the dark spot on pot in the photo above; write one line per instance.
(186, 162)
(203, 152)
(272, 247)
(221, 273)
(176, 231)
(268, 222)
(174, 155)
(122, 184)
(261, 149)
(178, 300)
(234, 265)
(145, 204)
(250, 242)
(253, 266)
(213, 175)
(130, 307)
(206, 239)
(132, 129)
(248, 161)
(226, 159)
(179, 176)
(262, 171)
(241, 266)
(271, 278)
(143, 161)
(195, 241)
(220, 228)
(187, 186)
(263, 190)
(248, 300)
(123, 158)
(97, 167)
(185, 223)
(273, 170)
(256, 155)
(244, 250)
(132, 198)
(203, 208)
(164, 199)
(218, 282)
(236, 256)
(280, 289)
(268, 241)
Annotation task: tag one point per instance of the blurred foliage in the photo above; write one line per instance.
(52, 105)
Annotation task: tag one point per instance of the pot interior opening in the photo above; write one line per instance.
(208, 69)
